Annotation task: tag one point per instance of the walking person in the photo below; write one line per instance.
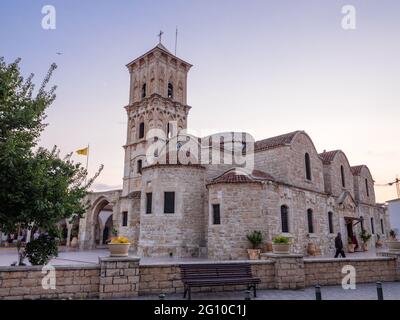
(339, 246)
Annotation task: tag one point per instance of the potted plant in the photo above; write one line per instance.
(255, 238)
(350, 245)
(393, 244)
(281, 245)
(365, 236)
(119, 247)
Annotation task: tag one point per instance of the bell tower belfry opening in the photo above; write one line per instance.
(157, 96)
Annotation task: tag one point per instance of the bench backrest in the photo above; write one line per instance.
(212, 271)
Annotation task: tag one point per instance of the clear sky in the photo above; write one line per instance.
(265, 67)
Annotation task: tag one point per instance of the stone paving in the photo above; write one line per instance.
(391, 291)
(74, 257)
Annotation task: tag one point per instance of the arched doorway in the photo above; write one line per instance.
(103, 223)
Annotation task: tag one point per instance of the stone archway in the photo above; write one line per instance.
(102, 211)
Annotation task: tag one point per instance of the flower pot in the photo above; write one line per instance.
(254, 254)
(268, 247)
(281, 248)
(379, 243)
(350, 247)
(393, 246)
(311, 249)
(74, 242)
(365, 246)
(119, 249)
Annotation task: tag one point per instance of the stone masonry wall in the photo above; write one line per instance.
(119, 277)
(329, 272)
(125, 277)
(181, 233)
(240, 213)
(332, 175)
(166, 278)
(75, 282)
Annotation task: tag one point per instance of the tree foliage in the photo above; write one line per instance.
(37, 186)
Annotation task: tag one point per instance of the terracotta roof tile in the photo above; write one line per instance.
(328, 156)
(240, 176)
(274, 142)
(356, 170)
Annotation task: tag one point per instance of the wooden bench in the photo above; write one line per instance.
(218, 274)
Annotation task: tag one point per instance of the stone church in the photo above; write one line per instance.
(188, 206)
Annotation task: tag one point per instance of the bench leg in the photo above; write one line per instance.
(190, 293)
(184, 292)
(255, 291)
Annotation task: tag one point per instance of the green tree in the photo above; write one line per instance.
(37, 187)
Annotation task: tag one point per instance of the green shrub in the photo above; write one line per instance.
(365, 236)
(281, 240)
(255, 238)
(42, 250)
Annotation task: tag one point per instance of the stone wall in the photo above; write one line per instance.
(119, 277)
(360, 187)
(180, 233)
(125, 277)
(333, 176)
(76, 282)
(241, 213)
(166, 278)
(329, 271)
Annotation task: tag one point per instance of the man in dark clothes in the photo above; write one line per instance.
(339, 246)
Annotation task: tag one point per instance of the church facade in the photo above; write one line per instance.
(186, 196)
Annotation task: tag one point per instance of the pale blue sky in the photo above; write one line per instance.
(266, 67)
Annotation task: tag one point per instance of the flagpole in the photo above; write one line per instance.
(87, 163)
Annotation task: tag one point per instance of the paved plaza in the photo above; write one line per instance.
(391, 291)
(76, 257)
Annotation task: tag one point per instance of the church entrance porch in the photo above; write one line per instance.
(352, 226)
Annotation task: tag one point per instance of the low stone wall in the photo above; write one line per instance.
(329, 271)
(75, 282)
(119, 277)
(126, 277)
(166, 278)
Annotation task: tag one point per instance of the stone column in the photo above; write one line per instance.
(119, 277)
(289, 270)
(69, 231)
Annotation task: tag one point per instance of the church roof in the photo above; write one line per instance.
(161, 47)
(356, 170)
(238, 175)
(328, 156)
(274, 142)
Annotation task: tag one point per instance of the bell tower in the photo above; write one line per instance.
(157, 96)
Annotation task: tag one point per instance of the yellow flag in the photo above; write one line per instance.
(83, 152)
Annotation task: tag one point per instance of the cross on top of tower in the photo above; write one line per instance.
(160, 35)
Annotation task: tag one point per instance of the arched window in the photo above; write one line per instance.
(372, 226)
(342, 175)
(366, 187)
(330, 221)
(285, 218)
(144, 90)
(169, 131)
(170, 90)
(141, 130)
(308, 166)
(310, 221)
(139, 166)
